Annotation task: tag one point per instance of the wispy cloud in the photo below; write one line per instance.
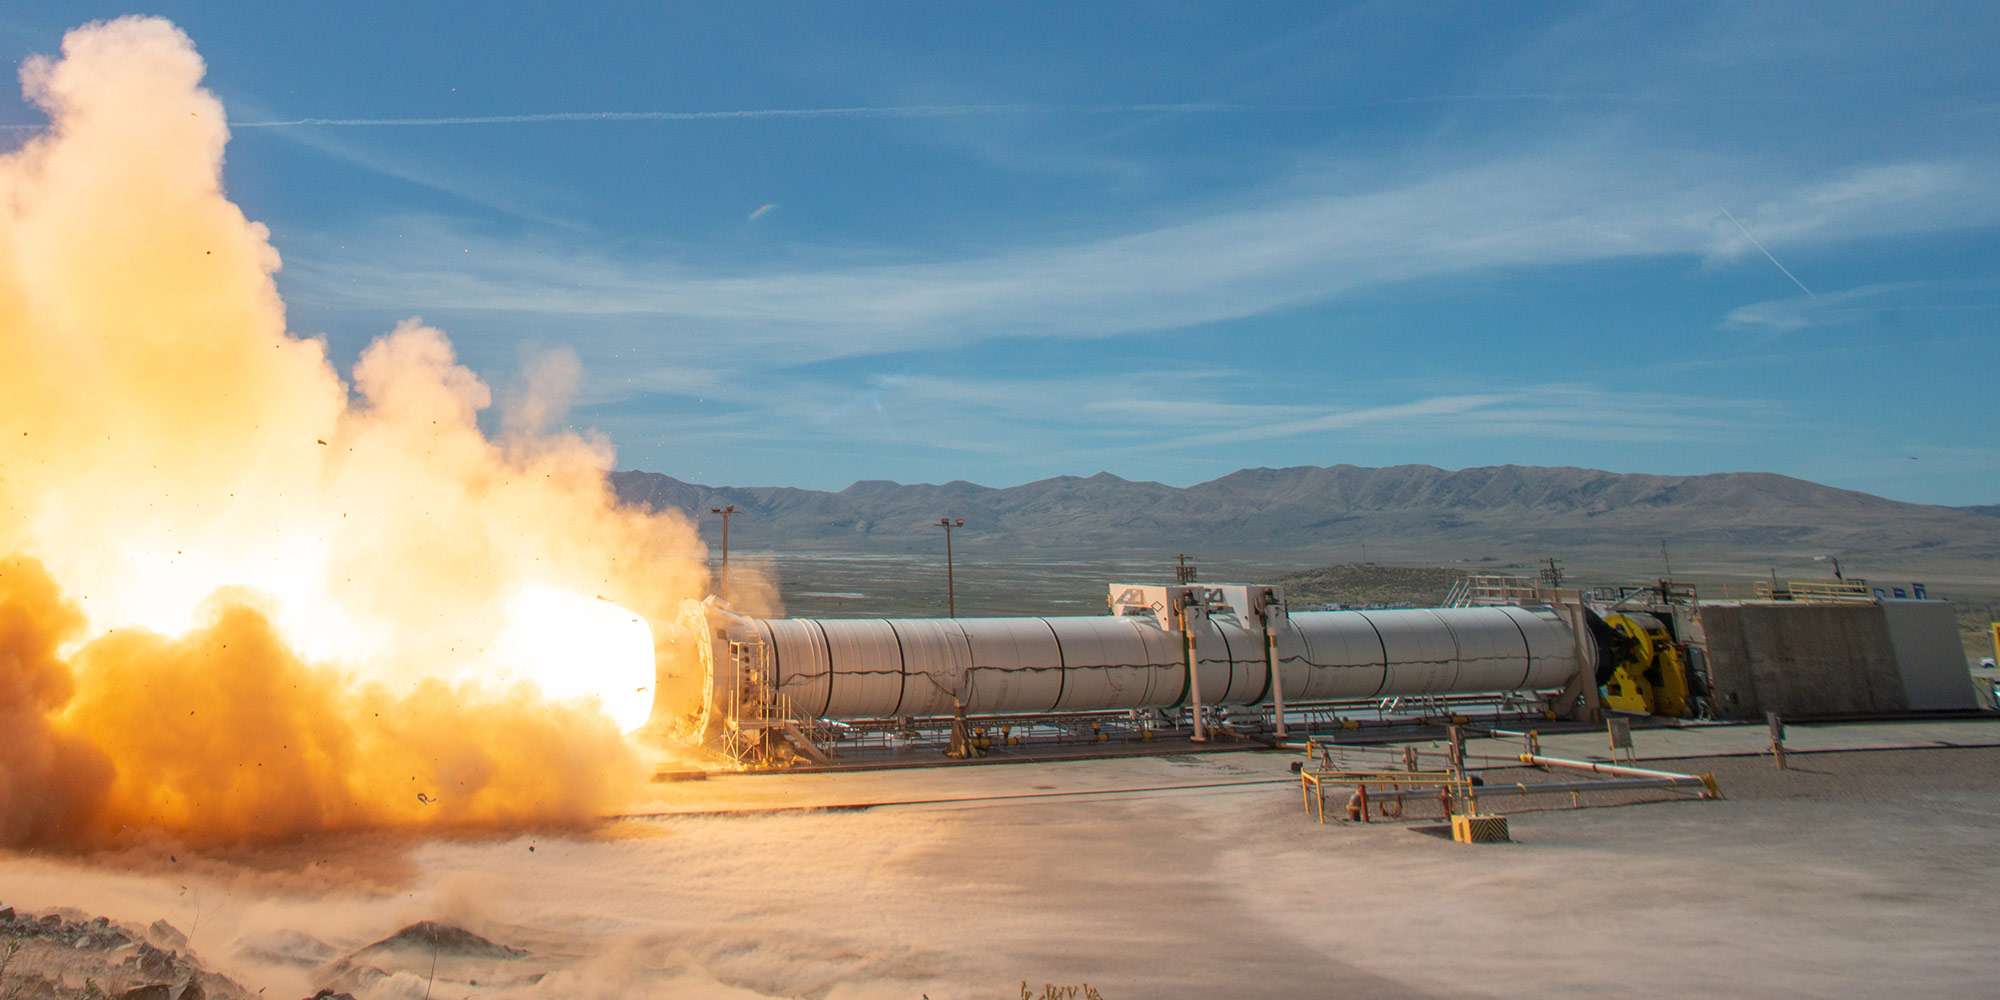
(755, 114)
(1561, 412)
(514, 198)
(1780, 316)
(928, 111)
(765, 114)
(1405, 414)
(1146, 412)
(1055, 420)
(1869, 200)
(617, 384)
(1292, 250)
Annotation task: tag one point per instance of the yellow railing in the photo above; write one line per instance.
(1313, 784)
(1817, 591)
(1476, 591)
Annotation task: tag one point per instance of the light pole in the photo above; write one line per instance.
(950, 582)
(725, 512)
(1835, 560)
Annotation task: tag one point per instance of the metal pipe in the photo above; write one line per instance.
(1596, 768)
(1707, 781)
(1611, 785)
(1549, 787)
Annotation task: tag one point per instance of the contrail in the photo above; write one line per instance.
(904, 111)
(1774, 260)
(907, 111)
(892, 111)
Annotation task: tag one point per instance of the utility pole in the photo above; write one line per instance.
(950, 581)
(725, 512)
(1183, 572)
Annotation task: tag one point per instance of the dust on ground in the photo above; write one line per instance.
(1856, 874)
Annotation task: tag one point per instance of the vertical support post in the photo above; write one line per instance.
(1584, 684)
(1194, 673)
(1458, 751)
(1453, 749)
(1455, 766)
(1620, 732)
(961, 745)
(1277, 682)
(1777, 725)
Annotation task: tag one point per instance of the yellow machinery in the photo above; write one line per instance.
(1651, 675)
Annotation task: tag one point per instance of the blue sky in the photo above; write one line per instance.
(1169, 240)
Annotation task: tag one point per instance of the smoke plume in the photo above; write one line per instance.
(239, 596)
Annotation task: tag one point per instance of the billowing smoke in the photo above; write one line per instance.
(240, 596)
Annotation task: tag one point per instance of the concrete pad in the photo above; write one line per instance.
(1721, 739)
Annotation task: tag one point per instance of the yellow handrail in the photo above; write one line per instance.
(1821, 591)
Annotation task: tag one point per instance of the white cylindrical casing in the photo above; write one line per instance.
(1419, 651)
(868, 668)
(1341, 654)
(1552, 647)
(878, 668)
(1016, 665)
(801, 662)
(1116, 663)
(1232, 663)
(936, 661)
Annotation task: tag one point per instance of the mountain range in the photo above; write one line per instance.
(1310, 515)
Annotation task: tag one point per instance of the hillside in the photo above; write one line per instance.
(1353, 585)
(1312, 515)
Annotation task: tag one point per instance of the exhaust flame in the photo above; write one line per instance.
(609, 651)
(241, 597)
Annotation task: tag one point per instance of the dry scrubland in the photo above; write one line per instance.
(1418, 586)
(1857, 874)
